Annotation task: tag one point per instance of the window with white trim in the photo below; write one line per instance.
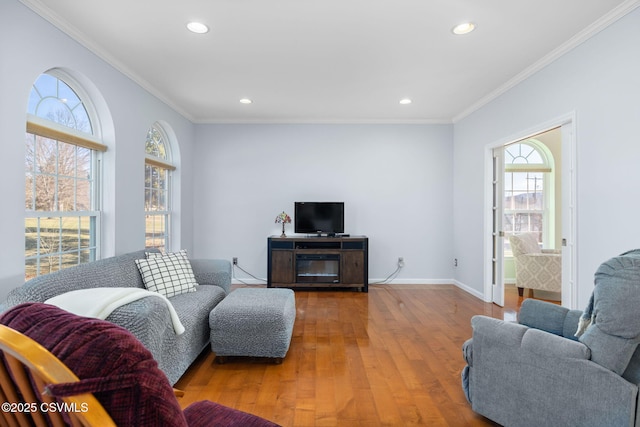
(62, 164)
(526, 191)
(157, 189)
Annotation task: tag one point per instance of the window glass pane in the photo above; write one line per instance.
(85, 234)
(154, 178)
(83, 195)
(69, 234)
(54, 100)
(48, 264)
(49, 235)
(155, 145)
(45, 155)
(86, 256)
(155, 231)
(522, 154)
(162, 206)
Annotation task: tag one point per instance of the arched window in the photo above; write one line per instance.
(62, 163)
(527, 189)
(157, 189)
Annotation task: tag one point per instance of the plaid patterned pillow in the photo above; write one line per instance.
(169, 274)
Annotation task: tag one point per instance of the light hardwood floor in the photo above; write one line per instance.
(390, 357)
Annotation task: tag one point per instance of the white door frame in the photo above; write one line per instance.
(569, 255)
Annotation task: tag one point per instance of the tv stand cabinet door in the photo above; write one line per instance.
(282, 269)
(353, 268)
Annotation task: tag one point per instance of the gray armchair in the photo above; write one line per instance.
(537, 372)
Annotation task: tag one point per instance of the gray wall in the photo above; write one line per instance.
(395, 181)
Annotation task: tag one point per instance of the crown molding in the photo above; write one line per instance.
(250, 121)
(602, 23)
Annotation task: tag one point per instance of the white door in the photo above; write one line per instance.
(569, 294)
(497, 263)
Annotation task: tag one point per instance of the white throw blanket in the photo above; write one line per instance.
(101, 302)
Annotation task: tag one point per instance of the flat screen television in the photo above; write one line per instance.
(319, 217)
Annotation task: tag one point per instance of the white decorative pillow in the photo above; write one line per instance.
(169, 274)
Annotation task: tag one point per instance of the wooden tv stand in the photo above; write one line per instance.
(318, 262)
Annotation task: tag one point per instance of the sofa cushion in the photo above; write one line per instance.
(169, 274)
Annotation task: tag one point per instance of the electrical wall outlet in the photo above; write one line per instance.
(235, 260)
(400, 261)
(455, 262)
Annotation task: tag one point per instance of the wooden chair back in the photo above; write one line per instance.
(26, 367)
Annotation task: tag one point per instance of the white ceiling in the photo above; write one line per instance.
(329, 60)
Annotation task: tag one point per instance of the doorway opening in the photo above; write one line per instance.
(531, 189)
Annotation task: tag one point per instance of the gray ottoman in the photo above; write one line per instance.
(254, 322)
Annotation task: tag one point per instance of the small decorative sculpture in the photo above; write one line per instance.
(284, 219)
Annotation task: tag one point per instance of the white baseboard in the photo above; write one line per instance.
(469, 290)
(248, 281)
(412, 281)
(474, 292)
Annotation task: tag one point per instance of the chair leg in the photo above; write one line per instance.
(520, 291)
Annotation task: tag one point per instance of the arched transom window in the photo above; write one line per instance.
(63, 148)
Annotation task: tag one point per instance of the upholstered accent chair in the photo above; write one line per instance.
(114, 367)
(536, 268)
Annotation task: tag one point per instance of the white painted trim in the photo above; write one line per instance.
(470, 290)
(251, 281)
(412, 282)
(334, 121)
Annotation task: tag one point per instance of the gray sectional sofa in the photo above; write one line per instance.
(147, 318)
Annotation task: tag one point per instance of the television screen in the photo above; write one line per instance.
(319, 217)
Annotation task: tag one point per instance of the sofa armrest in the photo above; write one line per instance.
(213, 272)
(551, 251)
(139, 316)
(542, 315)
(495, 331)
(549, 317)
(548, 344)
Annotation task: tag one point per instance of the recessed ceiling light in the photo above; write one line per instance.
(405, 101)
(197, 27)
(246, 101)
(464, 28)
